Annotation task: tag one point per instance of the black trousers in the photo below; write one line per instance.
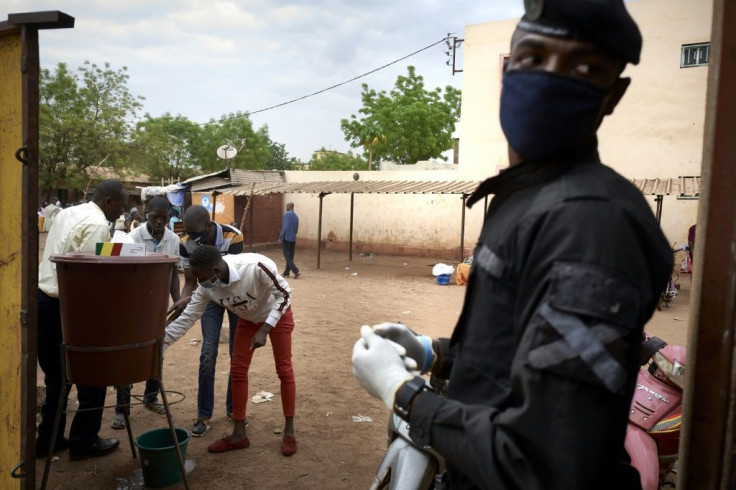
(289, 256)
(123, 395)
(86, 424)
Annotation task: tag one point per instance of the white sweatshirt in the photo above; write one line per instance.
(255, 292)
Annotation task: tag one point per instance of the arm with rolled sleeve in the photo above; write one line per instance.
(193, 312)
(564, 422)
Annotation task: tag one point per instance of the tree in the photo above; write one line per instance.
(406, 125)
(85, 119)
(164, 146)
(254, 151)
(280, 159)
(333, 160)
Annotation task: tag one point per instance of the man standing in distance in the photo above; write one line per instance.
(159, 239)
(289, 229)
(75, 229)
(200, 230)
(570, 264)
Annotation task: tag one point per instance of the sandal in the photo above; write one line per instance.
(118, 422)
(224, 444)
(288, 446)
(155, 408)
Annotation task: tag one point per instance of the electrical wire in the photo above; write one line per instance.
(444, 39)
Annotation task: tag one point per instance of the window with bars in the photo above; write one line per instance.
(695, 55)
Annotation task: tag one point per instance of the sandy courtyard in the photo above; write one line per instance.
(335, 451)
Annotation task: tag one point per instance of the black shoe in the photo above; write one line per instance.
(42, 448)
(285, 274)
(296, 276)
(201, 425)
(101, 447)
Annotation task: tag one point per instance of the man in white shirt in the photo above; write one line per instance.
(159, 239)
(248, 285)
(75, 229)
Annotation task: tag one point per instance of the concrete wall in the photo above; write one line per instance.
(656, 131)
(412, 224)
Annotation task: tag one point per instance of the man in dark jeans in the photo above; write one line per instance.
(75, 229)
(289, 229)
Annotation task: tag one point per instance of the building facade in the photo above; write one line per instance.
(655, 132)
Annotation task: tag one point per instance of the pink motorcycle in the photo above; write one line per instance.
(655, 418)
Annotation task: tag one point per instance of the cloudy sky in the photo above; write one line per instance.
(205, 58)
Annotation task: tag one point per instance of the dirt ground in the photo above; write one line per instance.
(335, 451)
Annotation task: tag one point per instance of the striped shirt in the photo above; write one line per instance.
(255, 292)
(228, 241)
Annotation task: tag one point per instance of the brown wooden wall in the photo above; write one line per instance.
(263, 222)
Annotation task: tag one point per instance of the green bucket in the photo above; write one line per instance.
(158, 456)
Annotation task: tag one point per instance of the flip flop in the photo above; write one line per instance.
(118, 422)
(155, 408)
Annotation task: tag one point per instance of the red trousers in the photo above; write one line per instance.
(280, 336)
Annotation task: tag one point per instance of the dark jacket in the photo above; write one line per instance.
(543, 361)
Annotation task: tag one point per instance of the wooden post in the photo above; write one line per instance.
(19, 111)
(707, 440)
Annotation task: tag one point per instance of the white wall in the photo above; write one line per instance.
(420, 223)
(657, 130)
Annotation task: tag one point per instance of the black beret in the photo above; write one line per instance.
(605, 23)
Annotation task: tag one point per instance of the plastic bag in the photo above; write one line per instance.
(442, 269)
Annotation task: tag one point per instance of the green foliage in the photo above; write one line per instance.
(85, 120)
(280, 159)
(253, 146)
(165, 146)
(406, 125)
(332, 160)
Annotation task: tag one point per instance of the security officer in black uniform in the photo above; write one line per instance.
(569, 266)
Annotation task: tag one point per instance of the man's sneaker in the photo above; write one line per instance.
(200, 427)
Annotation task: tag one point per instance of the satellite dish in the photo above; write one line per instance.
(226, 152)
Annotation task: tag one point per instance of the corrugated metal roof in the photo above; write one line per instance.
(686, 186)
(357, 187)
(230, 177)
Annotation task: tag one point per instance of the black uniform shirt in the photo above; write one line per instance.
(543, 360)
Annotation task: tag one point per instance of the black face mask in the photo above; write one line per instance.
(200, 237)
(545, 115)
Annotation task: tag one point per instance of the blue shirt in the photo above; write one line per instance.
(289, 227)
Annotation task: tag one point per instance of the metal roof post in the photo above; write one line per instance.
(352, 201)
(462, 230)
(319, 229)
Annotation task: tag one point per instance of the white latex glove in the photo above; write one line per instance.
(418, 347)
(378, 366)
